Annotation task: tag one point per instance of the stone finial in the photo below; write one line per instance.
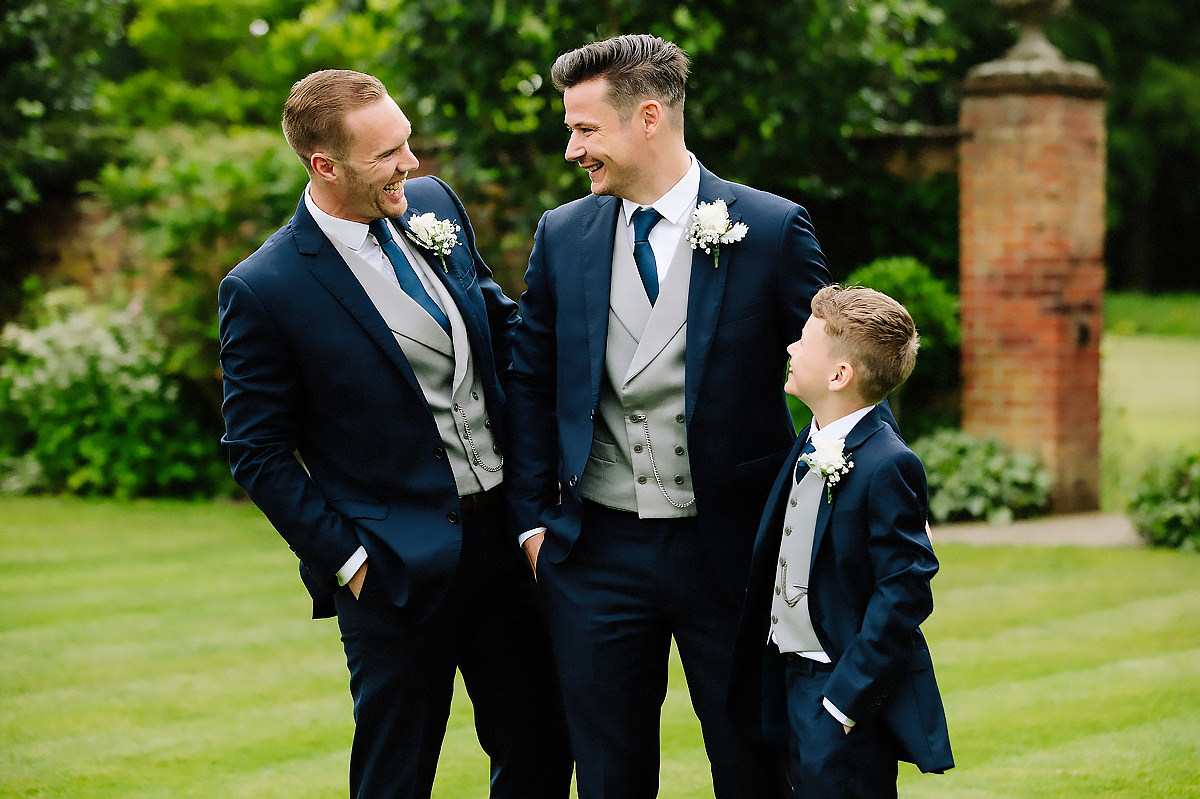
(1033, 61)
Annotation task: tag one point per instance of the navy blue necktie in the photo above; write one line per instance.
(643, 220)
(801, 466)
(409, 281)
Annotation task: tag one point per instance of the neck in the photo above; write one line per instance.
(669, 167)
(833, 408)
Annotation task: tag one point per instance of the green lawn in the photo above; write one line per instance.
(163, 650)
(1150, 407)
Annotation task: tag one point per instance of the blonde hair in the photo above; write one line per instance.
(315, 112)
(873, 332)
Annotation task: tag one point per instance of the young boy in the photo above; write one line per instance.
(841, 569)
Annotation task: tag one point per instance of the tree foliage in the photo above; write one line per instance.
(473, 75)
(50, 60)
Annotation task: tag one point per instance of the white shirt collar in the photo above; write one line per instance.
(678, 202)
(838, 428)
(351, 234)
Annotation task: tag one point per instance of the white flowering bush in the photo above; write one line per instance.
(90, 409)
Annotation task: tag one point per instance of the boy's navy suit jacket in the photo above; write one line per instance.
(868, 593)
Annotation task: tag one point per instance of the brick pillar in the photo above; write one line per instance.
(1032, 165)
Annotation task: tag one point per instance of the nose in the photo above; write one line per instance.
(409, 162)
(574, 149)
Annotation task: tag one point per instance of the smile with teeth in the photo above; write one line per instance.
(394, 187)
(594, 168)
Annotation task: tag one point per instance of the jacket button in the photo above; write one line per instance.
(679, 418)
(679, 450)
(642, 478)
(452, 517)
(679, 479)
(439, 453)
(572, 481)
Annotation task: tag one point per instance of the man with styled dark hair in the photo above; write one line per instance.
(363, 349)
(648, 415)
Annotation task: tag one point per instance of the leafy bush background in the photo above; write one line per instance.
(971, 479)
(931, 397)
(1166, 505)
(91, 409)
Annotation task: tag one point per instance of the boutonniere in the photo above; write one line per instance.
(438, 235)
(711, 227)
(829, 461)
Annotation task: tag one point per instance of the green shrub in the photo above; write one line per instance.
(931, 397)
(1166, 505)
(971, 479)
(193, 203)
(93, 411)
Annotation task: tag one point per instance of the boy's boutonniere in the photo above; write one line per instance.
(711, 227)
(438, 235)
(829, 461)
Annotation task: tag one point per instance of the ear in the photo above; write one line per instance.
(323, 167)
(650, 116)
(843, 376)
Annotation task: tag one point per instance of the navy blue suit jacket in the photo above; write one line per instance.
(327, 428)
(868, 593)
(742, 313)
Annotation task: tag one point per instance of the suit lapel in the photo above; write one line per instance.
(451, 277)
(866, 427)
(594, 259)
(331, 271)
(706, 292)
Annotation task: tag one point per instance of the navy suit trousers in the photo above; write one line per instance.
(825, 761)
(402, 677)
(628, 587)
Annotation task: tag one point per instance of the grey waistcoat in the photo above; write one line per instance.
(445, 369)
(639, 457)
(791, 622)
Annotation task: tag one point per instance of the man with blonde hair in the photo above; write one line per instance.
(363, 348)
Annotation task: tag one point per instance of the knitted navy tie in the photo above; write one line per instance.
(409, 281)
(644, 219)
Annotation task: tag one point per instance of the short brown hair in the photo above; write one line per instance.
(636, 66)
(315, 111)
(873, 332)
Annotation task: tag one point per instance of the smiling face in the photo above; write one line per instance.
(368, 183)
(812, 366)
(613, 151)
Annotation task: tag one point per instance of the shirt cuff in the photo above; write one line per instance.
(523, 537)
(350, 568)
(837, 714)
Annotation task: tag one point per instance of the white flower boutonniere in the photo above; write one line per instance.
(711, 227)
(438, 235)
(829, 461)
